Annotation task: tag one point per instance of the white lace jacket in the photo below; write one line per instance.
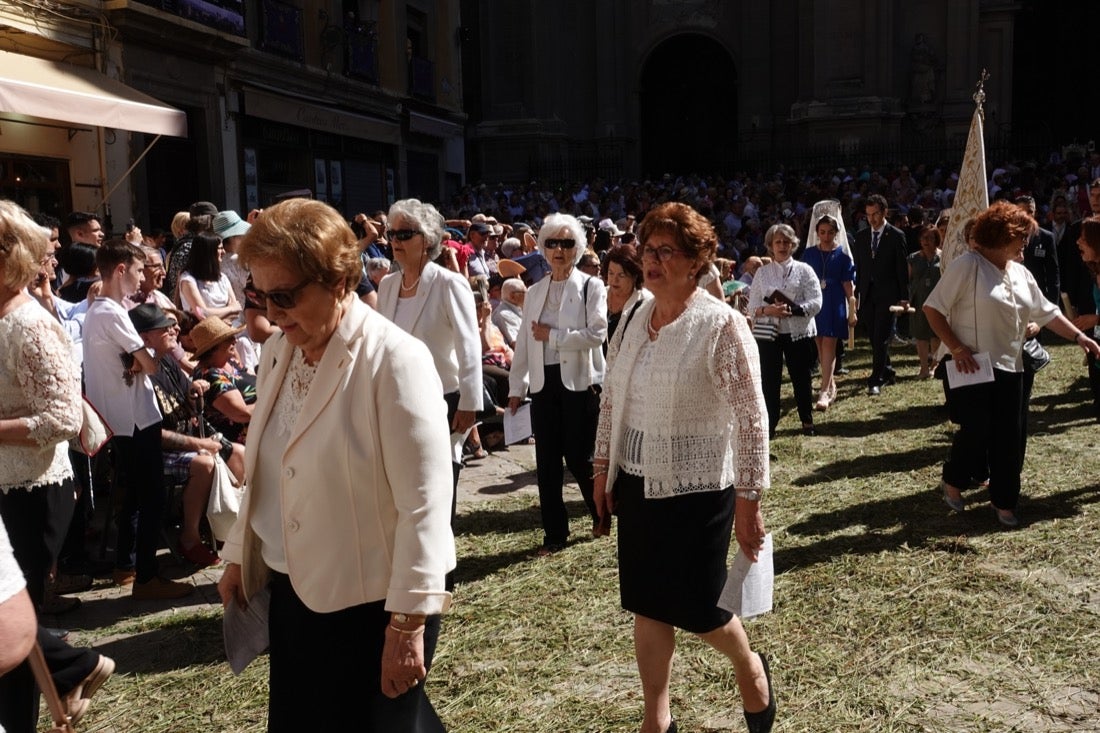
(40, 383)
(705, 421)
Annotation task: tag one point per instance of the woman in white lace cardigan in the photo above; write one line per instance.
(39, 411)
(682, 441)
(786, 293)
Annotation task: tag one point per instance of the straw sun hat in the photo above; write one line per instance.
(211, 331)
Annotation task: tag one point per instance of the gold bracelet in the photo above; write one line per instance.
(599, 472)
(410, 632)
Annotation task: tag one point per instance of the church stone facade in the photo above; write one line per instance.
(637, 87)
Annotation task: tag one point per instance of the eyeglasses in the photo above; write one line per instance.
(402, 235)
(563, 243)
(281, 298)
(663, 253)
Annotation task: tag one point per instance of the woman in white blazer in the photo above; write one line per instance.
(559, 361)
(436, 306)
(346, 518)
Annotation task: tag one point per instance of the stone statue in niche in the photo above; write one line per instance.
(922, 89)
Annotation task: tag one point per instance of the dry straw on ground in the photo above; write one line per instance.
(892, 614)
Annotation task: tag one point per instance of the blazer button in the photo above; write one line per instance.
(288, 472)
(292, 525)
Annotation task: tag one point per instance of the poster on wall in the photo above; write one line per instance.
(251, 183)
(335, 183)
(320, 174)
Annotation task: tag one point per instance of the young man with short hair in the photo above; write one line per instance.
(116, 374)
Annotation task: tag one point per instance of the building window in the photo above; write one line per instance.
(281, 29)
(421, 68)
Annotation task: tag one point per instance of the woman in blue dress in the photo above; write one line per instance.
(834, 268)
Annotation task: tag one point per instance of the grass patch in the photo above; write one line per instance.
(891, 615)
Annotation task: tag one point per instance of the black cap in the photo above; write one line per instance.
(201, 208)
(147, 317)
(479, 227)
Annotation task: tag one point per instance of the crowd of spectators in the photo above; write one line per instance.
(168, 326)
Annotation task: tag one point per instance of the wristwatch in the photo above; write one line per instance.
(404, 618)
(750, 494)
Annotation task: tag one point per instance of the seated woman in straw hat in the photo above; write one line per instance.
(232, 390)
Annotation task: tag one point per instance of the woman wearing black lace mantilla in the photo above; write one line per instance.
(682, 460)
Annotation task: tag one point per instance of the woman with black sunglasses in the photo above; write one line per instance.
(345, 519)
(437, 306)
(559, 360)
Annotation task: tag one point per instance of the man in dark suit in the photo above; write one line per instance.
(1040, 256)
(882, 280)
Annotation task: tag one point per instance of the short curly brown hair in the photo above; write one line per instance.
(1002, 224)
(693, 232)
(626, 257)
(308, 237)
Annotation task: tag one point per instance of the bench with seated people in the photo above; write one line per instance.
(189, 443)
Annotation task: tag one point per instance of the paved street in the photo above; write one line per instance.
(504, 473)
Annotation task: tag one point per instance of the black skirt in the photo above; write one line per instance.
(672, 554)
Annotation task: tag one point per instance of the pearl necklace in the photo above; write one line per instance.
(653, 332)
(413, 286)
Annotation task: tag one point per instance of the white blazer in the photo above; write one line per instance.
(578, 338)
(366, 478)
(447, 322)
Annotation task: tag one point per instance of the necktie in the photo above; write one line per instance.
(874, 244)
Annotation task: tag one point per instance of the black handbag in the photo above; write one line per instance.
(1035, 356)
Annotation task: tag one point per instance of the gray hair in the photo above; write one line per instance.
(374, 264)
(783, 230)
(509, 246)
(428, 220)
(512, 285)
(552, 226)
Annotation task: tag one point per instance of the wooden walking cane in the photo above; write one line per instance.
(57, 710)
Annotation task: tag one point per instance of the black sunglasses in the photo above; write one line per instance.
(563, 243)
(402, 235)
(281, 298)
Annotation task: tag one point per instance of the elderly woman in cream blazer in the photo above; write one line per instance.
(559, 361)
(346, 518)
(436, 306)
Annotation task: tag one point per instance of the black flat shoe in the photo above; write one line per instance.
(671, 727)
(761, 722)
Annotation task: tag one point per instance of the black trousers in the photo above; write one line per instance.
(991, 421)
(36, 521)
(139, 464)
(879, 322)
(565, 428)
(799, 356)
(326, 670)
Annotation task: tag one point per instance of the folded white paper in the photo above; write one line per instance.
(517, 427)
(748, 589)
(244, 630)
(458, 442)
(956, 378)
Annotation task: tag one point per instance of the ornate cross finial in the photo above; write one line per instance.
(979, 90)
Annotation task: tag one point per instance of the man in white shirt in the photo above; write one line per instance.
(508, 316)
(116, 369)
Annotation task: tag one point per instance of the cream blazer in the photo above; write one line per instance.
(578, 338)
(447, 323)
(366, 476)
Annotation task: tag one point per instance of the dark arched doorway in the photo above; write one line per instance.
(688, 105)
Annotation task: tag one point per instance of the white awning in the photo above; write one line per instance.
(80, 95)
